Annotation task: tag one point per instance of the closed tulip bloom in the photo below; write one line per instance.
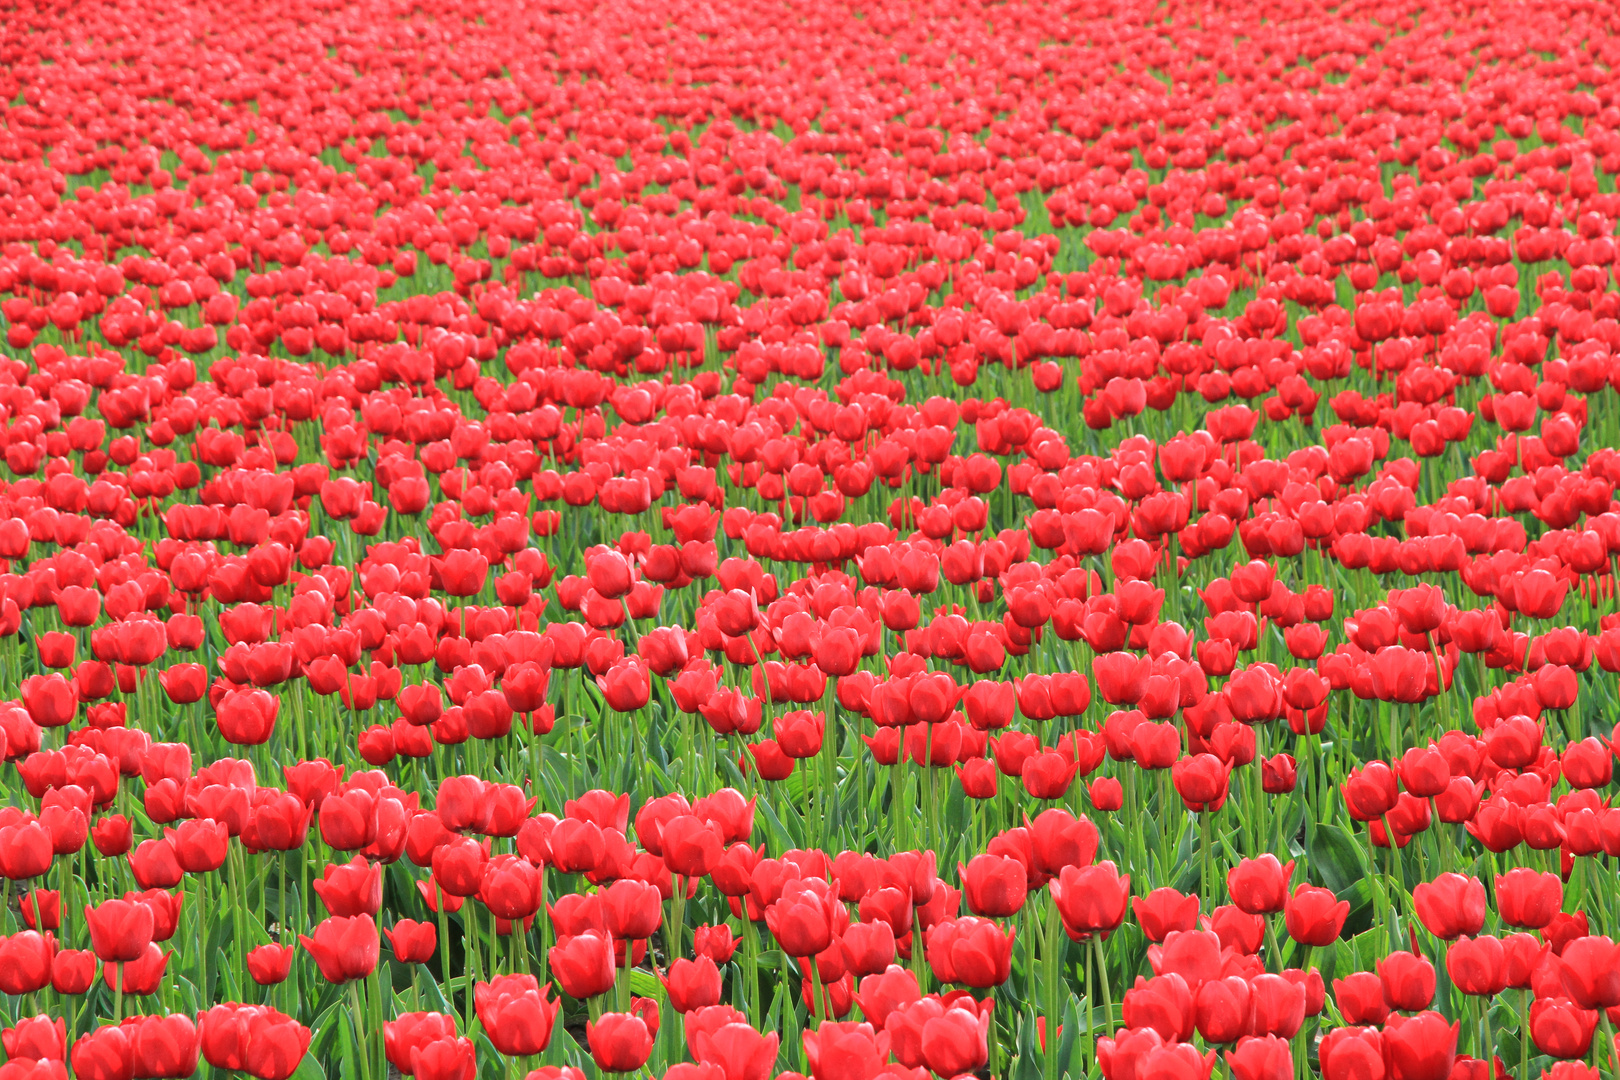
(73, 971)
(1314, 916)
(270, 964)
(1562, 1029)
(140, 977)
(517, 1013)
(1528, 898)
(352, 888)
(800, 733)
(1237, 929)
(1090, 900)
(445, 1059)
(1059, 839)
(26, 850)
(989, 704)
(1424, 771)
(740, 1052)
(1279, 774)
(1163, 911)
(163, 1046)
(1591, 971)
(344, 948)
(632, 909)
(800, 920)
(247, 717)
(609, 572)
(994, 886)
(1259, 886)
(1202, 781)
(970, 951)
(717, 943)
(622, 1042)
(1279, 1006)
(1451, 906)
(1195, 955)
(510, 886)
(459, 864)
(838, 652)
(692, 984)
(412, 1030)
(50, 699)
(692, 846)
(956, 1042)
(34, 1039)
(1352, 1053)
(1121, 677)
(1370, 792)
(1421, 1047)
(583, 964)
(1034, 695)
(1262, 1058)
(462, 571)
(112, 835)
(1048, 774)
(413, 942)
(1221, 1009)
(1522, 957)
(279, 821)
(867, 947)
(25, 962)
(1121, 1056)
(1360, 998)
(838, 1051)
(1477, 966)
(1163, 1003)
(978, 778)
(120, 930)
(627, 684)
(103, 1054)
(275, 1044)
(1408, 981)
(1588, 764)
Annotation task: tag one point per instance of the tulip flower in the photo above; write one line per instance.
(344, 948)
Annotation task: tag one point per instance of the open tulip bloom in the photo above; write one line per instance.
(1061, 539)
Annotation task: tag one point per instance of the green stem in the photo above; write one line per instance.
(357, 1010)
(1102, 974)
(1053, 972)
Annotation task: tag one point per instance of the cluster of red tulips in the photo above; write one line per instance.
(870, 541)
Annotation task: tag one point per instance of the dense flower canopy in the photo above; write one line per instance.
(844, 540)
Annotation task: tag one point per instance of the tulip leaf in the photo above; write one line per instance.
(564, 1050)
(645, 984)
(1335, 858)
(1367, 949)
(347, 1056)
(323, 1029)
(784, 835)
(308, 1069)
(1028, 1065)
(1070, 1060)
(485, 1049)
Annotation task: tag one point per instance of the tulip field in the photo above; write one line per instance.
(547, 539)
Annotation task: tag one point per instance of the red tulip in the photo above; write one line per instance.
(344, 948)
(516, 1013)
(622, 1042)
(1090, 900)
(1451, 906)
(413, 942)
